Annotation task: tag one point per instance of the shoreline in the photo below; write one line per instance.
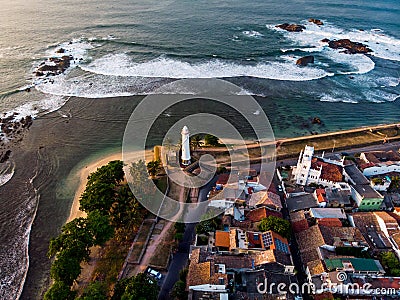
(83, 174)
(84, 171)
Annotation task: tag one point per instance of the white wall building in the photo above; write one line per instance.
(305, 173)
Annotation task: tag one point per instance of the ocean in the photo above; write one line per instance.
(124, 49)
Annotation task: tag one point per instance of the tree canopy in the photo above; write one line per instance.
(59, 290)
(391, 263)
(153, 167)
(211, 140)
(94, 291)
(278, 225)
(139, 287)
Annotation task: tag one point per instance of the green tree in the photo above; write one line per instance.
(141, 287)
(179, 236)
(94, 291)
(180, 227)
(178, 291)
(65, 268)
(59, 290)
(99, 227)
(183, 274)
(153, 167)
(112, 173)
(195, 142)
(74, 238)
(391, 263)
(211, 140)
(98, 196)
(143, 188)
(119, 289)
(278, 225)
(207, 225)
(125, 213)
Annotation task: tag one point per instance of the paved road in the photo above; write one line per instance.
(180, 258)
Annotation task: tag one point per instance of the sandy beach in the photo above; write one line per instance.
(83, 175)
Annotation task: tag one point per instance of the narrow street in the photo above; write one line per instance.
(181, 257)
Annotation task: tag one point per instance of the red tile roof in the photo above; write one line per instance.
(222, 239)
(300, 226)
(330, 172)
(330, 222)
(256, 215)
(321, 195)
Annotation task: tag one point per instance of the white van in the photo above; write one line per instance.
(154, 273)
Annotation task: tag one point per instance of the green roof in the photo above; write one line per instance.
(359, 264)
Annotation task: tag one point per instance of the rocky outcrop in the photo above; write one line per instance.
(291, 27)
(304, 61)
(316, 120)
(351, 47)
(316, 21)
(54, 65)
(11, 127)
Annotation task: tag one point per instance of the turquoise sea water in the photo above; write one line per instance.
(126, 48)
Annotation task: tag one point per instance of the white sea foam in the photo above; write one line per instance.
(252, 33)
(6, 172)
(122, 65)
(329, 98)
(77, 48)
(5, 178)
(360, 63)
(388, 81)
(380, 96)
(383, 46)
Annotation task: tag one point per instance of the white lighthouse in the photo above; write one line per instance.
(185, 146)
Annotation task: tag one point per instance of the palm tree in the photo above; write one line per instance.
(196, 142)
(153, 167)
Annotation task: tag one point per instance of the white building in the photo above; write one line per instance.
(318, 170)
(185, 146)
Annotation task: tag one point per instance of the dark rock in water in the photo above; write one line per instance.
(316, 120)
(291, 27)
(61, 50)
(316, 21)
(57, 66)
(47, 68)
(4, 156)
(325, 40)
(304, 61)
(351, 47)
(351, 77)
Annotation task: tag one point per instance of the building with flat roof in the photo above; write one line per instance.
(331, 213)
(363, 194)
(301, 202)
(366, 197)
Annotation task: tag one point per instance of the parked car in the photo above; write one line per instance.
(154, 273)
